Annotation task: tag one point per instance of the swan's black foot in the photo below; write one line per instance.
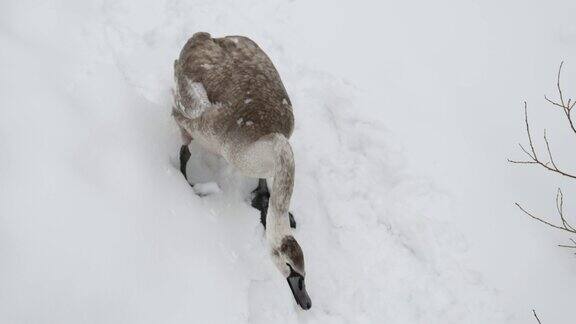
(184, 157)
(260, 202)
(292, 220)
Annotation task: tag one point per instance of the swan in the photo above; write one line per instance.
(229, 98)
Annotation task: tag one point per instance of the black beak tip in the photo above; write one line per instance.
(296, 283)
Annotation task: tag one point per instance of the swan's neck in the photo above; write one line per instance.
(277, 220)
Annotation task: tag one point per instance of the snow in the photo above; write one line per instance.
(405, 114)
(205, 189)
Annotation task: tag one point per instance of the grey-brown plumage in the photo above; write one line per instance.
(231, 100)
(237, 74)
(291, 248)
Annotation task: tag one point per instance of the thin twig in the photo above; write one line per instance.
(528, 131)
(569, 246)
(549, 152)
(535, 315)
(558, 83)
(560, 209)
(565, 225)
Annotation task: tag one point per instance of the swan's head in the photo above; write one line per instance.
(289, 259)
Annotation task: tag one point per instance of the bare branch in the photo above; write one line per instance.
(527, 153)
(533, 157)
(566, 106)
(565, 225)
(553, 102)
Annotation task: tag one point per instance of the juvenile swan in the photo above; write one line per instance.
(229, 98)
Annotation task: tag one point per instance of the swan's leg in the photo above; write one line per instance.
(260, 202)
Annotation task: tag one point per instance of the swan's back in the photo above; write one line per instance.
(240, 77)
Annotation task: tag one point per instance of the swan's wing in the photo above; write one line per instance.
(190, 98)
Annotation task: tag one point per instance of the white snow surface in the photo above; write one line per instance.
(405, 113)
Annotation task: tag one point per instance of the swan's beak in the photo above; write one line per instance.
(296, 283)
